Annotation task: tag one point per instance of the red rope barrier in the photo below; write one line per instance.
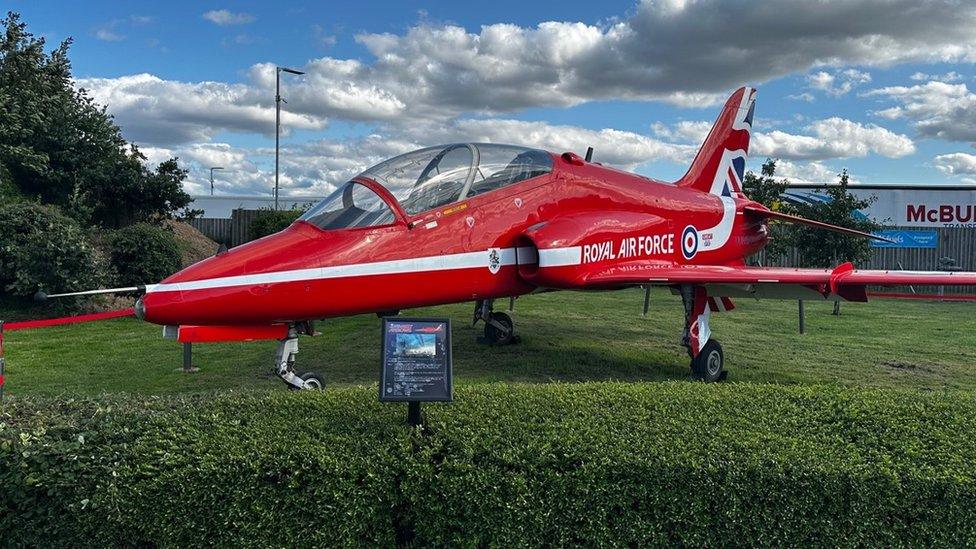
(28, 324)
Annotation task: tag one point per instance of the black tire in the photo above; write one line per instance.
(497, 336)
(709, 366)
(313, 381)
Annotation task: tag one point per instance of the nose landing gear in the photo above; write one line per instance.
(285, 362)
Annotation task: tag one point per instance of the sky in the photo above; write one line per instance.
(883, 88)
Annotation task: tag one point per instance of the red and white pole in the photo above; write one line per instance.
(2, 360)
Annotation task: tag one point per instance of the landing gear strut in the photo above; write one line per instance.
(707, 358)
(499, 326)
(285, 361)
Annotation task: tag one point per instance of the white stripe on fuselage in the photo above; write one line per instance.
(468, 260)
(547, 257)
(560, 257)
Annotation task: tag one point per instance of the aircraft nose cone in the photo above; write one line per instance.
(218, 290)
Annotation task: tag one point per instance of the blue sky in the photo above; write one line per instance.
(857, 85)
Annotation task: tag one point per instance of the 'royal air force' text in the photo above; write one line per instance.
(637, 246)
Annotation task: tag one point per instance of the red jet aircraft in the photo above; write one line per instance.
(478, 222)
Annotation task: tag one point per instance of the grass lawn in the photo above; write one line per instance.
(566, 336)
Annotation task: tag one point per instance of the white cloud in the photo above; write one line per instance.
(153, 111)
(839, 83)
(832, 138)
(316, 167)
(225, 17)
(805, 96)
(956, 163)
(936, 109)
(685, 131)
(806, 172)
(155, 155)
(674, 51)
(680, 52)
(951, 76)
(435, 82)
(108, 35)
(621, 149)
(323, 37)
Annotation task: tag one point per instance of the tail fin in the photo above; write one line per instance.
(720, 164)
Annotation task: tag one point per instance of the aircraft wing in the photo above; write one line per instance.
(841, 283)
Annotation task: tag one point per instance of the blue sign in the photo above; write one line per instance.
(416, 360)
(907, 239)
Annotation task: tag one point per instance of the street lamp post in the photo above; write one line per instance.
(211, 177)
(278, 100)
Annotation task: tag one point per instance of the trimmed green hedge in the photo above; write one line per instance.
(597, 464)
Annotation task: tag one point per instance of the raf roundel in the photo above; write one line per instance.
(689, 242)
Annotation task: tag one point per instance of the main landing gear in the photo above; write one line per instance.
(285, 361)
(499, 326)
(707, 358)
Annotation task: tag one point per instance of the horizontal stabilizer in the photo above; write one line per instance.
(769, 214)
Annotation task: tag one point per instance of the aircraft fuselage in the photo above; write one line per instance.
(511, 241)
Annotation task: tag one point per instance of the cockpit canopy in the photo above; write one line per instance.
(428, 178)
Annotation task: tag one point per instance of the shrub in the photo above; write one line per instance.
(191, 471)
(271, 221)
(42, 249)
(593, 464)
(144, 254)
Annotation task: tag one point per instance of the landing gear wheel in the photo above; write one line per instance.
(709, 365)
(503, 333)
(313, 381)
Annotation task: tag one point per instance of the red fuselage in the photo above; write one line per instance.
(543, 232)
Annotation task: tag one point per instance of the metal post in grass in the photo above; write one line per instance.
(647, 298)
(188, 358)
(802, 315)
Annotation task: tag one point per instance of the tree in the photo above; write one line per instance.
(269, 221)
(768, 191)
(765, 189)
(135, 194)
(59, 146)
(820, 248)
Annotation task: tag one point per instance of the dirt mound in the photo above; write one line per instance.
(194, 246)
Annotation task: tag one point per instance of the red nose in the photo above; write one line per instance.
(219, 289)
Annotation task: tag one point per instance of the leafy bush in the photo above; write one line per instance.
(8, 191)
(593, 464)
(271, 221)
(144, 254)
(40, 248)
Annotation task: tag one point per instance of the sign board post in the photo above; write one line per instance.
(416, 363)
